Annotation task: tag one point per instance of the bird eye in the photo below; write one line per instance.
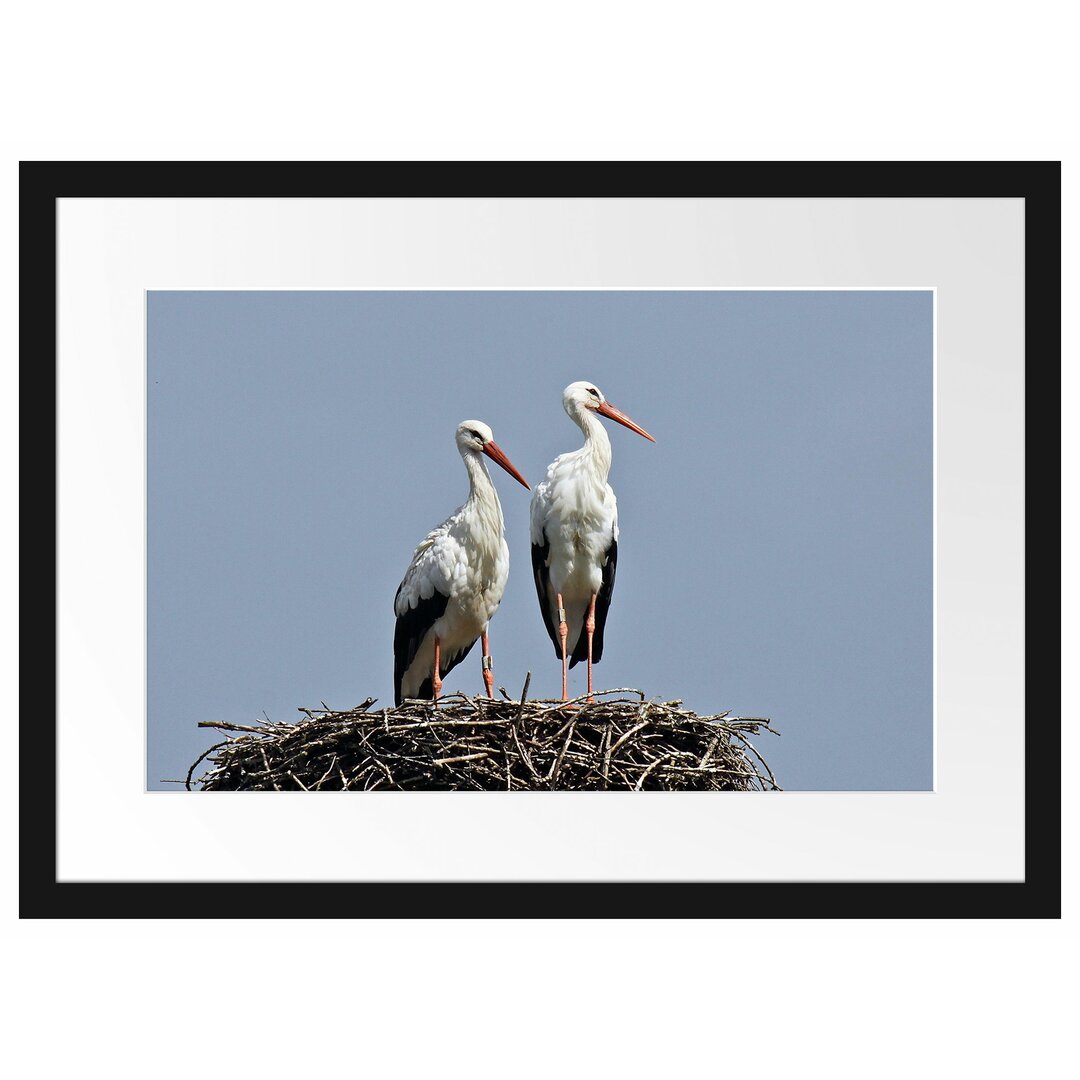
(595, 393)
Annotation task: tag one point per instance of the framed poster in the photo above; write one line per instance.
(244, 352)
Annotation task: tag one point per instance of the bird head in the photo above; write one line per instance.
(587, 396)
(475, 437)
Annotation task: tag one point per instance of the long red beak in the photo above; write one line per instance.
(492, 450)
(609, 410)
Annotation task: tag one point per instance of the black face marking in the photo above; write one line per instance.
(595, 393)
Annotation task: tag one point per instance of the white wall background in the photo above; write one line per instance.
(773, 81)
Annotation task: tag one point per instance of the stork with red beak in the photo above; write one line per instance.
(575, 534)
(455, 580)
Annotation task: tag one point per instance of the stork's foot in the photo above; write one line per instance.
(485, 665)
(563, 634)
(590, 628)
(436, 682)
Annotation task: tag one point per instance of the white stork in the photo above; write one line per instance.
(455, 580)
(575, 534)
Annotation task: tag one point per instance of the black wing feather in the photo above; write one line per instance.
(409, 633)
(427, 688)
(603, 602)
(540, 571)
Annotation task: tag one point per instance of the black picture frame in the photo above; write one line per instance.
(1038, 183)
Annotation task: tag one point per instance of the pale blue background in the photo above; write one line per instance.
(775, 555)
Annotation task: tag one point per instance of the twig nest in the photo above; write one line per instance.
(618, 742)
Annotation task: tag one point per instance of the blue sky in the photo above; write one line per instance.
(775, 553)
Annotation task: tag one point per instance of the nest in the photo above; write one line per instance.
(618, 742)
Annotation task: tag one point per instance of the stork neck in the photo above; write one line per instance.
(481, 489)
(597, 444)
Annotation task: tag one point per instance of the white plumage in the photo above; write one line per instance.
(575, 532)
(455, 580)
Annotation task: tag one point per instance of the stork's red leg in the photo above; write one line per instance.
(563, 632)
(436, 682)
(485, 663)
(590, 626)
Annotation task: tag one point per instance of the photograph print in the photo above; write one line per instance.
(554, 540)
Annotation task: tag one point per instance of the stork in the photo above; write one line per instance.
(455, 580)
(575, 534)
